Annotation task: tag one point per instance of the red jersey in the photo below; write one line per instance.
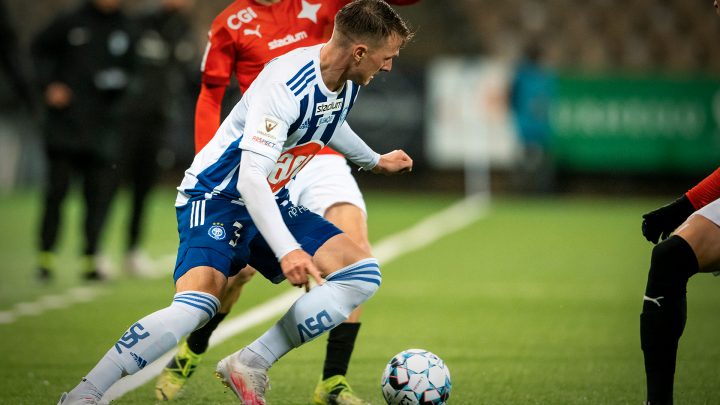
(706, 191)
(247, 35)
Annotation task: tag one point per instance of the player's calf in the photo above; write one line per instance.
(663, 317)
(149, 338)
(320, 310)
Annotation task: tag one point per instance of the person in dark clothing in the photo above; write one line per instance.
(10, 61)
(165, 60)
(16, 103)
(83, 63)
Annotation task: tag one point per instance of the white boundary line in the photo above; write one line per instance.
(75, 295)
(48, 302)
(432, 228)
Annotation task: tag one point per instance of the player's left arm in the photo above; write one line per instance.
(347, 142)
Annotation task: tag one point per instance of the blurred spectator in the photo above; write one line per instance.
(82, 62)
(165, 55)
(531, 94)
(16, 101)
(11, 61)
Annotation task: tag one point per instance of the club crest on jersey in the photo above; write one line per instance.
(309, 11)
(217, 231)
(328, 107)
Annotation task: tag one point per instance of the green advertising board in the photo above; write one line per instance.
(636, 124)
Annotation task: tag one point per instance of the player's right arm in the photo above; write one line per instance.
(660, 223)
(261, 146)
(296, 264)
(216, 69)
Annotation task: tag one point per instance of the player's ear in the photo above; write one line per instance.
(359, 52)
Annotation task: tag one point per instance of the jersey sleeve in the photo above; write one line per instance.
(219, 58)
(207, 114)
(706, 191)
(260, 202)
(270, 114)
(348, 143)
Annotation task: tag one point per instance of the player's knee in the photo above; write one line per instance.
(672, 263)
(360, 279)
(199, 305)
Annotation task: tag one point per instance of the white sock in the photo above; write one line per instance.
(152, 336)
(320, 310)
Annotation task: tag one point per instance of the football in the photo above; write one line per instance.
(416, 376)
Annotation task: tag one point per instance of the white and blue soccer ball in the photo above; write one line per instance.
(416, 377)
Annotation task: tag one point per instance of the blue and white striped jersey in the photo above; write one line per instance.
(287, 114)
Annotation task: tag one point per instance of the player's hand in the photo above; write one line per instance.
(659, 224)
(394, 162)
(296, 266)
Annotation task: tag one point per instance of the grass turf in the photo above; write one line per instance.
(537, 303)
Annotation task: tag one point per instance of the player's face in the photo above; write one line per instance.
(377, 59)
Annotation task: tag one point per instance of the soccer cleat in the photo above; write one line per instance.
(335, 391)
(84, 394)
(94, 275)
(46, 264)
(44, 274)
(176, 373)
(95, 268)
(248, 383)
(138, 264)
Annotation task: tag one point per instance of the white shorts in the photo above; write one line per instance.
(325, 181)
(711, 212)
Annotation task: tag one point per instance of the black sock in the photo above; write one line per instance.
(664, 314)
(198, 340)
(341, 342)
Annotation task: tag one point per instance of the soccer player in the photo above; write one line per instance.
(242, 38)
(233, 207)
(689, 229)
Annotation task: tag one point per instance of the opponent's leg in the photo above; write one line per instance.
(183, 364)
(695, 247)
(149, 338)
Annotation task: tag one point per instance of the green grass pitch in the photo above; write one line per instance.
(536, 303)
